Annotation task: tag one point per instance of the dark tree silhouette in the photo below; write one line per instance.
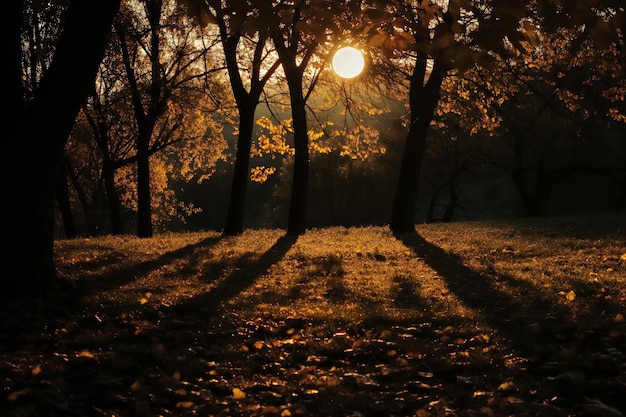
(36, 131)
(247, 99)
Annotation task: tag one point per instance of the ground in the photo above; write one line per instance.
(500, 318)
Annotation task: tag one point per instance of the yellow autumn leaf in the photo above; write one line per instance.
(623, 257)
(571, 296)
(506, 386)
(143, 300)
(86, 354)
(36, 370)
(185, 404)
(238, 394)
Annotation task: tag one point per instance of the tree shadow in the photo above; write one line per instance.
(331, 268)
(528, 319)
(405, 292)
(117, 277)
(245, 273)
(557, 344)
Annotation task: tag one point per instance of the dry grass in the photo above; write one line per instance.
(352, 273)
(485, 318)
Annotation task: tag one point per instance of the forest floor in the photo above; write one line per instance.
(499, 318)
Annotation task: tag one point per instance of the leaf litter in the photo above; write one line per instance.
(522, 318)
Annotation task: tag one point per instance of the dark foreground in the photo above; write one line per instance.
(472, 319)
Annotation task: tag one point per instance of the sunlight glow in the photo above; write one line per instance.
(348, 62)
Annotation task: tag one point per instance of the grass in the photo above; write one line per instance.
(520, 318)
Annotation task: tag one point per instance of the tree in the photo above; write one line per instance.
(100, 113)
(36, 131)
(245, 47)
(289, 48)
(148, 113)
(553, 104)
(303, 35)
(298, 30)
(451, 37)
(161, 59)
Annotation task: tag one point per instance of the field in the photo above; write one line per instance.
(500, 318)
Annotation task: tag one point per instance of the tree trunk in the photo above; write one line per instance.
(454, 200)
(146, 122)
(63, 201)
(237, 204)
(101, 130)
(37, 133)
(146, 118)
(144, 199)
(112, 196)
(423, 99)
(296, 224)
(247, 102)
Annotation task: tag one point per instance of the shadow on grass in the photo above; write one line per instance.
(406, 291)
(120, 276)
(245, 273)
(530, 320)
(575, 354)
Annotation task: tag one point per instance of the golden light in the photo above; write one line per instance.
(348, 62)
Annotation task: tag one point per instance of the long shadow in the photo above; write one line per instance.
(528, 320)
(245, 273)
(120, 276)
(537, 328)
(406, 292)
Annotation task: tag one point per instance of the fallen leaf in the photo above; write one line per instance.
(507, 386)
(185, 404)
(17, 394)
(143, 300)
(571, 296)
(238, 394)
(85, 354)
(619, 318)
(386, 335)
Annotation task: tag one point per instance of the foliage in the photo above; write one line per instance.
(186, 140)
(548, 111)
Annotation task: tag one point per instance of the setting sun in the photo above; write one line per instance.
(348, 62)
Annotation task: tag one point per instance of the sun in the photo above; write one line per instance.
(348, 62)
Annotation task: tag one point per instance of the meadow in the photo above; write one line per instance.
(494, 318)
